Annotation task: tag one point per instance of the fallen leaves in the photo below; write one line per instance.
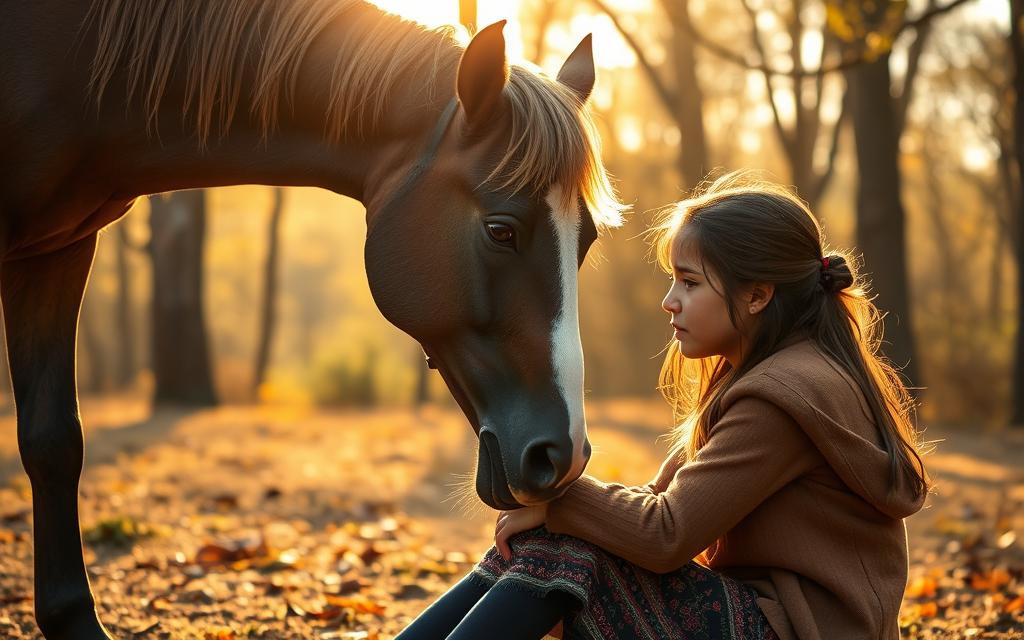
(259, 549)
(356, 603)
(976, 586)
(121, 531)
(991, 580)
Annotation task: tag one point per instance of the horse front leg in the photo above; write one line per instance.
(42, 297)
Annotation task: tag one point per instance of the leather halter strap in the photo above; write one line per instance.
(427, 157)
(422, 164)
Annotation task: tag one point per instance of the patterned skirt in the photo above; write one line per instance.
(620, 600)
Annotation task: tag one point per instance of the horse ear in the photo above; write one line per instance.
(483, 73)
(578, 71)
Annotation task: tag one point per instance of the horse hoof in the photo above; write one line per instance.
(81, 625)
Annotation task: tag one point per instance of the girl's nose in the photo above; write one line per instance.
(670, 304)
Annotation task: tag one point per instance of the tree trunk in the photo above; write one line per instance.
(95, 381)
(467, 15)
(689, 112)
(421, 394)
(268, 315)
(5, 372)
(545, 16)
(181, 366)
(880, 214)
(1016, 41)
(125, 372)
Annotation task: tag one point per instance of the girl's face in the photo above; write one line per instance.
(700, 313)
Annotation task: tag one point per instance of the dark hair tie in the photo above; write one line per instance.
(835, 274)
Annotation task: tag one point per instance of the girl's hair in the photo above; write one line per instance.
(747, 230)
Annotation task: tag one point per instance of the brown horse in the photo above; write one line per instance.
(483, 188)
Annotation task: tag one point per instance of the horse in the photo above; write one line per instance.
(482, 183)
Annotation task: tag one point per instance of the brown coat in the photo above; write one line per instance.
(791, 485)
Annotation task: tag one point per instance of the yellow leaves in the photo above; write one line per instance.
(837, 22)
(858, 21)
(444, 569)
(921, 588)
(877, 44)
(926, 610)
(121, 531)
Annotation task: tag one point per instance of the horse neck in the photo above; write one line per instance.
(297, 151)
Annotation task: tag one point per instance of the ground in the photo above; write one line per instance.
(244, 522)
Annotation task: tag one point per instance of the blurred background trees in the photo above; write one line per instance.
(899, 122)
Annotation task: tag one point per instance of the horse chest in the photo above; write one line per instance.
(46, 231)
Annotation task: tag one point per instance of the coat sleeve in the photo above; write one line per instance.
(753, 450)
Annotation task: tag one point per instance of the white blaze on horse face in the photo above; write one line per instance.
(567, 348)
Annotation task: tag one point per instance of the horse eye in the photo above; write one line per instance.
(501, 233)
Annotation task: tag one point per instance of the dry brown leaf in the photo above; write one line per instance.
(358, 604)
(991, 580)
(146, 626)
(1017, 604)
(444, 569)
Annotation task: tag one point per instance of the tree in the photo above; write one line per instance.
(681, 97)
(270, 279)
(125, 371)
(801, 137)
(181, 365)
(878, 119)
(467, 15)
(1016, 44)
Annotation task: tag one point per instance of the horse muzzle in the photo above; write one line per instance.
(541, 473)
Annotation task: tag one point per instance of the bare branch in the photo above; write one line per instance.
(547, 14)
(667, 96)
(822, 181)
(913, 64)
(852, 59)
(755, 36)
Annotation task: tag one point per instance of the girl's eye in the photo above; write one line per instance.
(502, 234)
(686, 282)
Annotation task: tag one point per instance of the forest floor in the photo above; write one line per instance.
(256, 522)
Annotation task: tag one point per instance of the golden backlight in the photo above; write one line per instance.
(561, 37)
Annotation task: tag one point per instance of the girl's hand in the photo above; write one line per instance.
(512, 522)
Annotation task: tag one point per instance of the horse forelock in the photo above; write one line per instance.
(554, 142)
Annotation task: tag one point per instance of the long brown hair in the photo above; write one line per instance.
(748, 230)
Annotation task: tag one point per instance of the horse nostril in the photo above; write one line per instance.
(544, 464)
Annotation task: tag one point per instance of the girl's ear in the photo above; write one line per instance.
(758, 296)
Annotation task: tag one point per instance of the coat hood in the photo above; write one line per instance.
(832, 410)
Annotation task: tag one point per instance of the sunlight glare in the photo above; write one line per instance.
(431, 14)
(610, 50)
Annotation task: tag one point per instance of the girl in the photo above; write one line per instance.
(779, 512)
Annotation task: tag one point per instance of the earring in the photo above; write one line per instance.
(753, 310)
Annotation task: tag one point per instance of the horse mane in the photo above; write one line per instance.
(553, 140)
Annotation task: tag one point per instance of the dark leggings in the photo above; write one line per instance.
(469, 611)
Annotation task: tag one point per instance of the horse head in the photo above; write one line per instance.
(474, 252)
